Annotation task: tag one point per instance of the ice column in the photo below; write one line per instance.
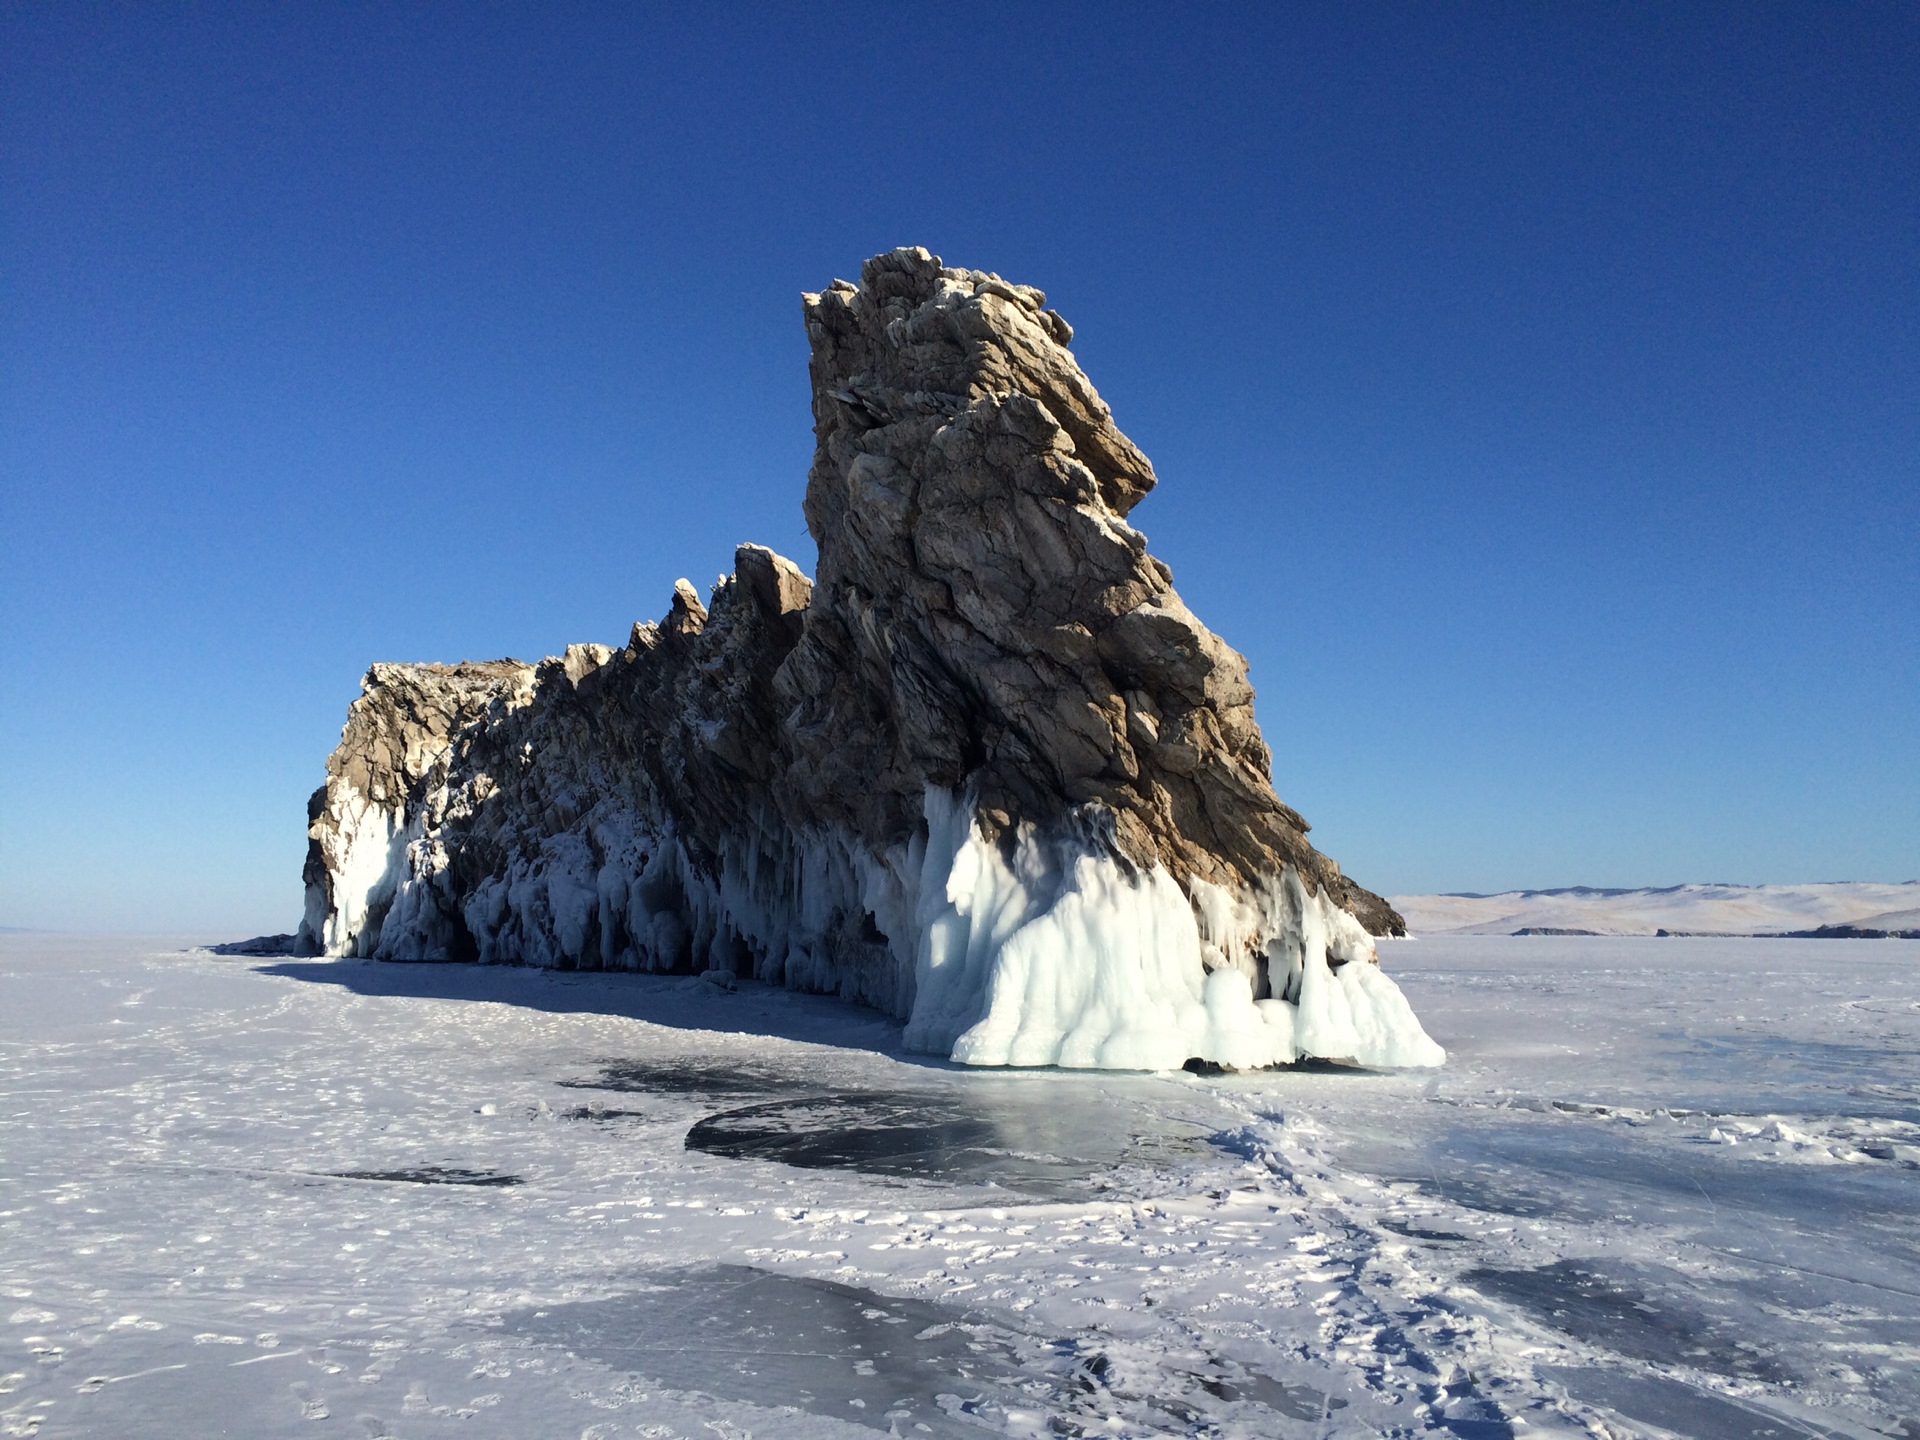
(1062, 956)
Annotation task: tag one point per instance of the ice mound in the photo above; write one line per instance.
(985, 770)
(1065, 956)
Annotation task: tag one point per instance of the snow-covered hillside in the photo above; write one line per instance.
(1686, 909)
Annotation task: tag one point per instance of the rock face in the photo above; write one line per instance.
(986, 771)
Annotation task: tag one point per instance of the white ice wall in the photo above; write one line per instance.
(366, 857)
(1052, 952)
(1064, 956)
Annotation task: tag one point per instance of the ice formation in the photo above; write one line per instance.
(1064, 955)
(985, 771)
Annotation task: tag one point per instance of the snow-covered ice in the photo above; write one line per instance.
(1659, 1183)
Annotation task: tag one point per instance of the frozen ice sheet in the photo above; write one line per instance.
(1027, 1140)
(780, 1340)
(1659, 1183)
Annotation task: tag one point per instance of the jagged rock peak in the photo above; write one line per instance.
(986, 770)
(968, 495)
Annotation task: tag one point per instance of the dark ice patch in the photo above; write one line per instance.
(431, 1175)
(905, 1367)
(738, 1333)
(1296, 1402)
(597, 1111)
(1414, 1232)
(1674, 1406)
(1140, 1396)
(1773, 1063)
(687, 1077)
(1045, 1146)
(922, 1137)
(1632, 1311)
(1462, 1411)
(1495, 1194)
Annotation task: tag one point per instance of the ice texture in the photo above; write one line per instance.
(241, 1195)
(1053, 950)
(1062, 956)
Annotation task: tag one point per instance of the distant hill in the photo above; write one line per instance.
(1693, 909)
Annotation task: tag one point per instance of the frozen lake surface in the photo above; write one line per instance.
(1660, 1186)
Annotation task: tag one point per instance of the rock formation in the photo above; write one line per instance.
(985, 771)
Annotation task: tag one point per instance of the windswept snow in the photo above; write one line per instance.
(1683, 909)
(1660, 1183)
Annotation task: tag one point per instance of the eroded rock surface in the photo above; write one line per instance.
(986, 771)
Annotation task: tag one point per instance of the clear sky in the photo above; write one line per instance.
(1535, 390)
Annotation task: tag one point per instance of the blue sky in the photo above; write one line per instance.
(1535, 390)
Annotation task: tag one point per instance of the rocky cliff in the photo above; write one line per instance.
(985, 771)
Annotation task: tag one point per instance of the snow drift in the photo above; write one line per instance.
(985, 771)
